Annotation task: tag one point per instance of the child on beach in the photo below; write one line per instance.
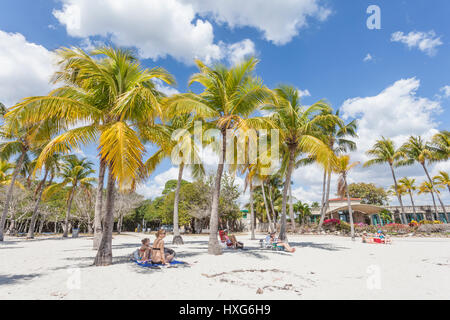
(145, 250)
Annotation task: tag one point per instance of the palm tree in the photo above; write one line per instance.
(175, 140)
(427, 187)
(298, 134)
(335, 136)
(5, 175)
(416, 150)
(75, 172)
(410, 186)
(230, 96)
(113, 96)
(52, 167)
(440, 144)
(3, 109)
(442, 179)
(342, 167)
(384, 151)
(20, 139)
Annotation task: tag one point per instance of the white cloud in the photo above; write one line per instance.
(304, 93)
(368, 58)
(425, 41)
(279, 21)
(241, 50)
(155, 186)
(25, 68)
(397, 112)
(157, 28)
(179, 28)
(446, 91)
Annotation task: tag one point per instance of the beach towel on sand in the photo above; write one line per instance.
(135, 258)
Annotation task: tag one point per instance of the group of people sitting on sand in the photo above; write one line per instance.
(379, 238)
(156, 253)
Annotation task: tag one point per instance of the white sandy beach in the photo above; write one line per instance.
(324, 267)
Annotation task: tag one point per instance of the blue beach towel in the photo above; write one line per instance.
(135, 258)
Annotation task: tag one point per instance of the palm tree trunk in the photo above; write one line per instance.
(104, 253)
(432, 191)
(399, 197)
(177, 239)
(271, 228)
(322, 207)
(213, 245)
(36, 207)
(98, 206)
(414, 206)
(327, 198)
(291, 209)
(273, 210)
(69, 208)
(350, 211)
(10, 193)
(442, 204)
(252, 213)
(287, 183)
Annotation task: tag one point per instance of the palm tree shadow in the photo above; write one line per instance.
(322, 246)
(11, 279)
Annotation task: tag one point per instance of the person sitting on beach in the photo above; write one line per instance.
(160, 254)
(377, 238)
(145, 251)
(279, 244)
(232, 239)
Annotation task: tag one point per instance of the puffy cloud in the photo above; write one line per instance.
(25, 68)
(241, 50)
(157, 28)
(279, 21)
(368, 58)
(179, 28)
(446, 91)
(396, 112)
(425, 41)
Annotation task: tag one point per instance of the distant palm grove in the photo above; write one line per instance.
(108, 99)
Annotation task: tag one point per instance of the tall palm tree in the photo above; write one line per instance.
(410, 186)
(335, 135)
(442, 179)
(298, 134)
(417, 150)
(427, 187)
(384, 151)
(229, 98)
(75, 172)
(20, 139)
(342, 167)
(52, 167)
(175, 140)
(113, 96)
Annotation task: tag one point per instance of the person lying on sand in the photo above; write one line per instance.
(279, 244)
(145, 251)
(378, 238)
(232, 239)
(160, 254)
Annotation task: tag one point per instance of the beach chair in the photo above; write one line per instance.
(223, 240)
(269, 245)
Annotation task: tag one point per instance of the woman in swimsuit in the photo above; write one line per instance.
(159, 254)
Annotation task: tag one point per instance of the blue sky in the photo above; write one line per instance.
(395, 79)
